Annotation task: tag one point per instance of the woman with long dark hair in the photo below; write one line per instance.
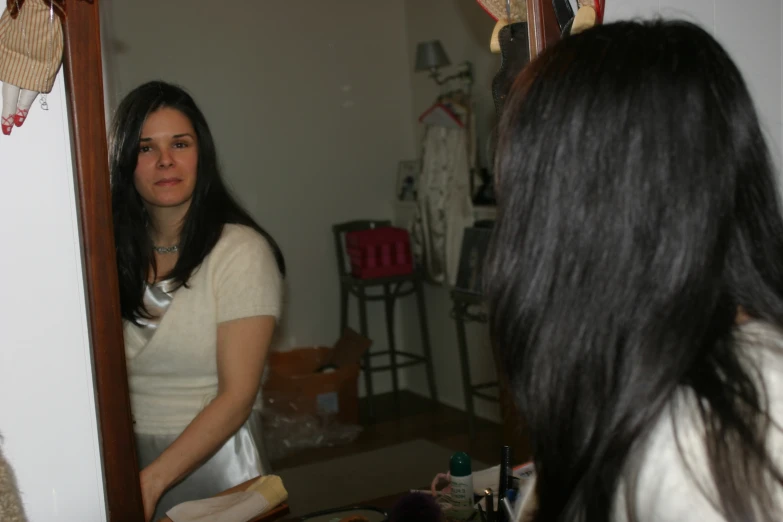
(200, 292)
(636, 280)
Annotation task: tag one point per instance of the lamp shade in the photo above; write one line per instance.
(430, 55)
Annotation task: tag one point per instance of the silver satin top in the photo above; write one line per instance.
(241, 458)
(157, 298)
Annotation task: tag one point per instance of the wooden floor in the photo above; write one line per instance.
(418, 418)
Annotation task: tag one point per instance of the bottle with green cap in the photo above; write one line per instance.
(461, 481)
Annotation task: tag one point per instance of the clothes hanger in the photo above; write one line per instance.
(590, 13)
(547, 20)
(441, 115)
(539, 15)
(542, 22)
(505, 12)
(450, 109)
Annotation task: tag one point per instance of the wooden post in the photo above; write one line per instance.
(84, 86)
(542, 27)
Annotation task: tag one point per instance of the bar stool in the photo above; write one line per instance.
(468, 306)
(388, 290)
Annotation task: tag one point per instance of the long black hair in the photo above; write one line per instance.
(637, 214)
(211, 207)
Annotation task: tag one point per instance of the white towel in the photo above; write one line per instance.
(260, 497)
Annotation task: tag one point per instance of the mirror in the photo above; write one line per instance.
(319, 90)
(314, 107)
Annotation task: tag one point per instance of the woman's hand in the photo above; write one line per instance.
(151, 491)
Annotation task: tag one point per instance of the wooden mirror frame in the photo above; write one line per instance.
(542, 27)
(85, 98)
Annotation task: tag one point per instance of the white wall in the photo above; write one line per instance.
(47, 406)
(751, 31)
(309, 102)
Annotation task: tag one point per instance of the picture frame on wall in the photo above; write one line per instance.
(408, 172)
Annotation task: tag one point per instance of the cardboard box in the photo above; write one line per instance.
(318, 380)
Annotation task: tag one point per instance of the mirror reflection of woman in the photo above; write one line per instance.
(636, 280)
(200, 292)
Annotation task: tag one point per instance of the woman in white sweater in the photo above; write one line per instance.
(636, 280)
(200, 290)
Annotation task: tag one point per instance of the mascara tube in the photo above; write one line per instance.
(504, 482)
(489, 504)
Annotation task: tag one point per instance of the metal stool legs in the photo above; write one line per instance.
(425, 338)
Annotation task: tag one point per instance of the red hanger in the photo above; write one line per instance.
(442, 116)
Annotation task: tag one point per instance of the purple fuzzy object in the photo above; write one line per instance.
(416, 507)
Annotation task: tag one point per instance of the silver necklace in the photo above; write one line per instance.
(166, 250)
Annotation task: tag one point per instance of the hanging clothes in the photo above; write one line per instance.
(444, 206)
(31, 46)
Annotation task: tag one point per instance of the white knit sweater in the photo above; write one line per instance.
(174, 375)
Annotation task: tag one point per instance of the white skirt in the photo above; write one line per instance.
(241, 458)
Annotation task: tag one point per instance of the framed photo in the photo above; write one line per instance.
(475, 243)
(408, 180)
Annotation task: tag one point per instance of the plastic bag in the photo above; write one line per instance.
(288, 431)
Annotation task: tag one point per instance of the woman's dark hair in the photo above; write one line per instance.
(637, 214)
(211, 207)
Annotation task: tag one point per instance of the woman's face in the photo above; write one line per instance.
(166, 170)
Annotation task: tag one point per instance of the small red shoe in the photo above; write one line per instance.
(20, 116)
(7, 124)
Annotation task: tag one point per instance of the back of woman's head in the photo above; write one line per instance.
(211, 204)
(637, 212)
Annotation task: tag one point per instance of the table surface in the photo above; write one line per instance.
(385, 503)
